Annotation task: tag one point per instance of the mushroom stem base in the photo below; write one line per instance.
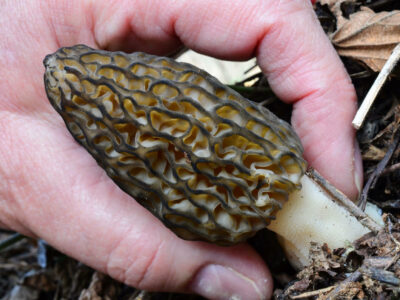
(313, 215)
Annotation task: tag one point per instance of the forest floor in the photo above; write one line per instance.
(364, 32)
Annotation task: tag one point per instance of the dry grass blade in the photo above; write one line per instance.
(368, 36)
(376, 87)
(313, 293)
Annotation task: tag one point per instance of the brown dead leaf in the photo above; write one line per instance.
(368, 36)
(373, 153)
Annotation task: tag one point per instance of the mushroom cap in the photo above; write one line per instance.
(210, 164)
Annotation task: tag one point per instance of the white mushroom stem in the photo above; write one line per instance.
(319, 213)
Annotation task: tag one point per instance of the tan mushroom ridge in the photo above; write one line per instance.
(206, 161)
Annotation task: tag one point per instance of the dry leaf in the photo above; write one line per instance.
(368, 36)
(374, 153)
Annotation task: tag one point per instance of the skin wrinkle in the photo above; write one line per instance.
(300, 68)
(265, 31)
(127, 30)
(87, 7)
(16, 189)
(28, 190)
(162, 29)
(7, 162)
(7, 59)
(192, 37)
(102, 215)
(50, 23)
(117, 272)
(309, 113)
(67, 20)
(132, 230)
(139, 263)
(316, 114)
(293, 72)
(14, 67)
(124, 226)
(170, 276)
(143, 281)
(290, 74)
(166, 30)
(6, 181)
(241, 47)
(97, 22)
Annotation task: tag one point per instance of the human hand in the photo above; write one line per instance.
(51, 187)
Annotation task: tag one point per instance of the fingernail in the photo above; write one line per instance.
(219, 282)
(358, 169)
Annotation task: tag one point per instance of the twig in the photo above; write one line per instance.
(16, 237)
(391, 169)
(379, 170)
(380, 275)
(252, 77)
(313, 293)
(355, 276)
(240, 88)
(267, 102)
(376, 87)
(345, 202)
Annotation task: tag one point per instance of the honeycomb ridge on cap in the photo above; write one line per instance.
(209, 163)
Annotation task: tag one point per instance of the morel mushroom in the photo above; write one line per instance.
(210, 164)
